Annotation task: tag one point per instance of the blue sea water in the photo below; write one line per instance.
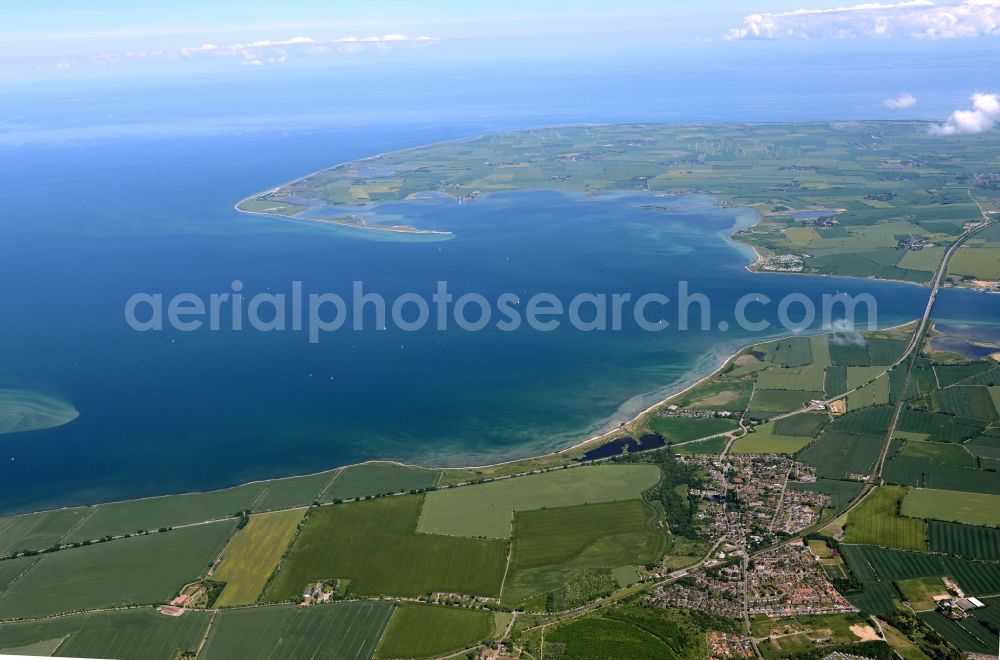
(87, 222)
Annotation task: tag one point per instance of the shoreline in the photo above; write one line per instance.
(622, 429)
(574, 447)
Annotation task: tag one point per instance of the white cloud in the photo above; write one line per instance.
(984, 115)
(902, 102)
(271, 51)
(911, 18)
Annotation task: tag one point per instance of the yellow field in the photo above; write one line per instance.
(801, 236)
(253, 554)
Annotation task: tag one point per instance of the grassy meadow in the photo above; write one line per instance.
(554, 547)
(953, 506)
(877, 522)
(135, 634)
(337, 631)
(375, 544)
(488, 509)
(369, 479)
(138, 570)
(422, 631)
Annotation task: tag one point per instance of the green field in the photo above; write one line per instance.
(625, 575)
(375, 544)
(965, 540)
(253, 554)
(294, 491)
(949, 374)
(920, 592)
(718, 395)
(136, 634)
(927, 259)
(923, 473)
(809, 377)
(37, 531)
(421, 631)
(986, 445)
(953, 506)
(766, 440)
(168, 511)
(939, 427)
(807, 425)
(10, 569)
(848, 352)
(796, 363)
(873, 351)
(840, 492)
(858, 376)
(842, 455)
(876, 597)
(337, 631)
(990, 378)
(378, 479)
(870, 564)
(870, 421)
(487, 509)
(873, 394)
(877, 522)
(629, 631)
(682, 429)
(139, 570)
(790, 352)
(972, 401)
(767, 403)
(981, 263)
(835, 381)
(713, 446)
(965, 635)
(551, 546)
(939, 453)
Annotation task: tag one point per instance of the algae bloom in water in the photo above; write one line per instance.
(27, 410)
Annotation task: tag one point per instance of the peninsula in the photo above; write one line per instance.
(863, 199)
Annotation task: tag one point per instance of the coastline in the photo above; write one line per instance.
(601, 437)
(603, 434)
(622, 429)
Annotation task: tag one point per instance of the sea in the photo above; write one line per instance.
(109, 192)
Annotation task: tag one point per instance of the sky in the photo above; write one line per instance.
(123, 37)
(935, 59)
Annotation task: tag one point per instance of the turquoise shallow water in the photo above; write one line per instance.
(86, 226)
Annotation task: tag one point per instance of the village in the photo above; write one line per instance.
(720, 594)
(789, 581)
(747, 501)
(783, 263)
(724, 645)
